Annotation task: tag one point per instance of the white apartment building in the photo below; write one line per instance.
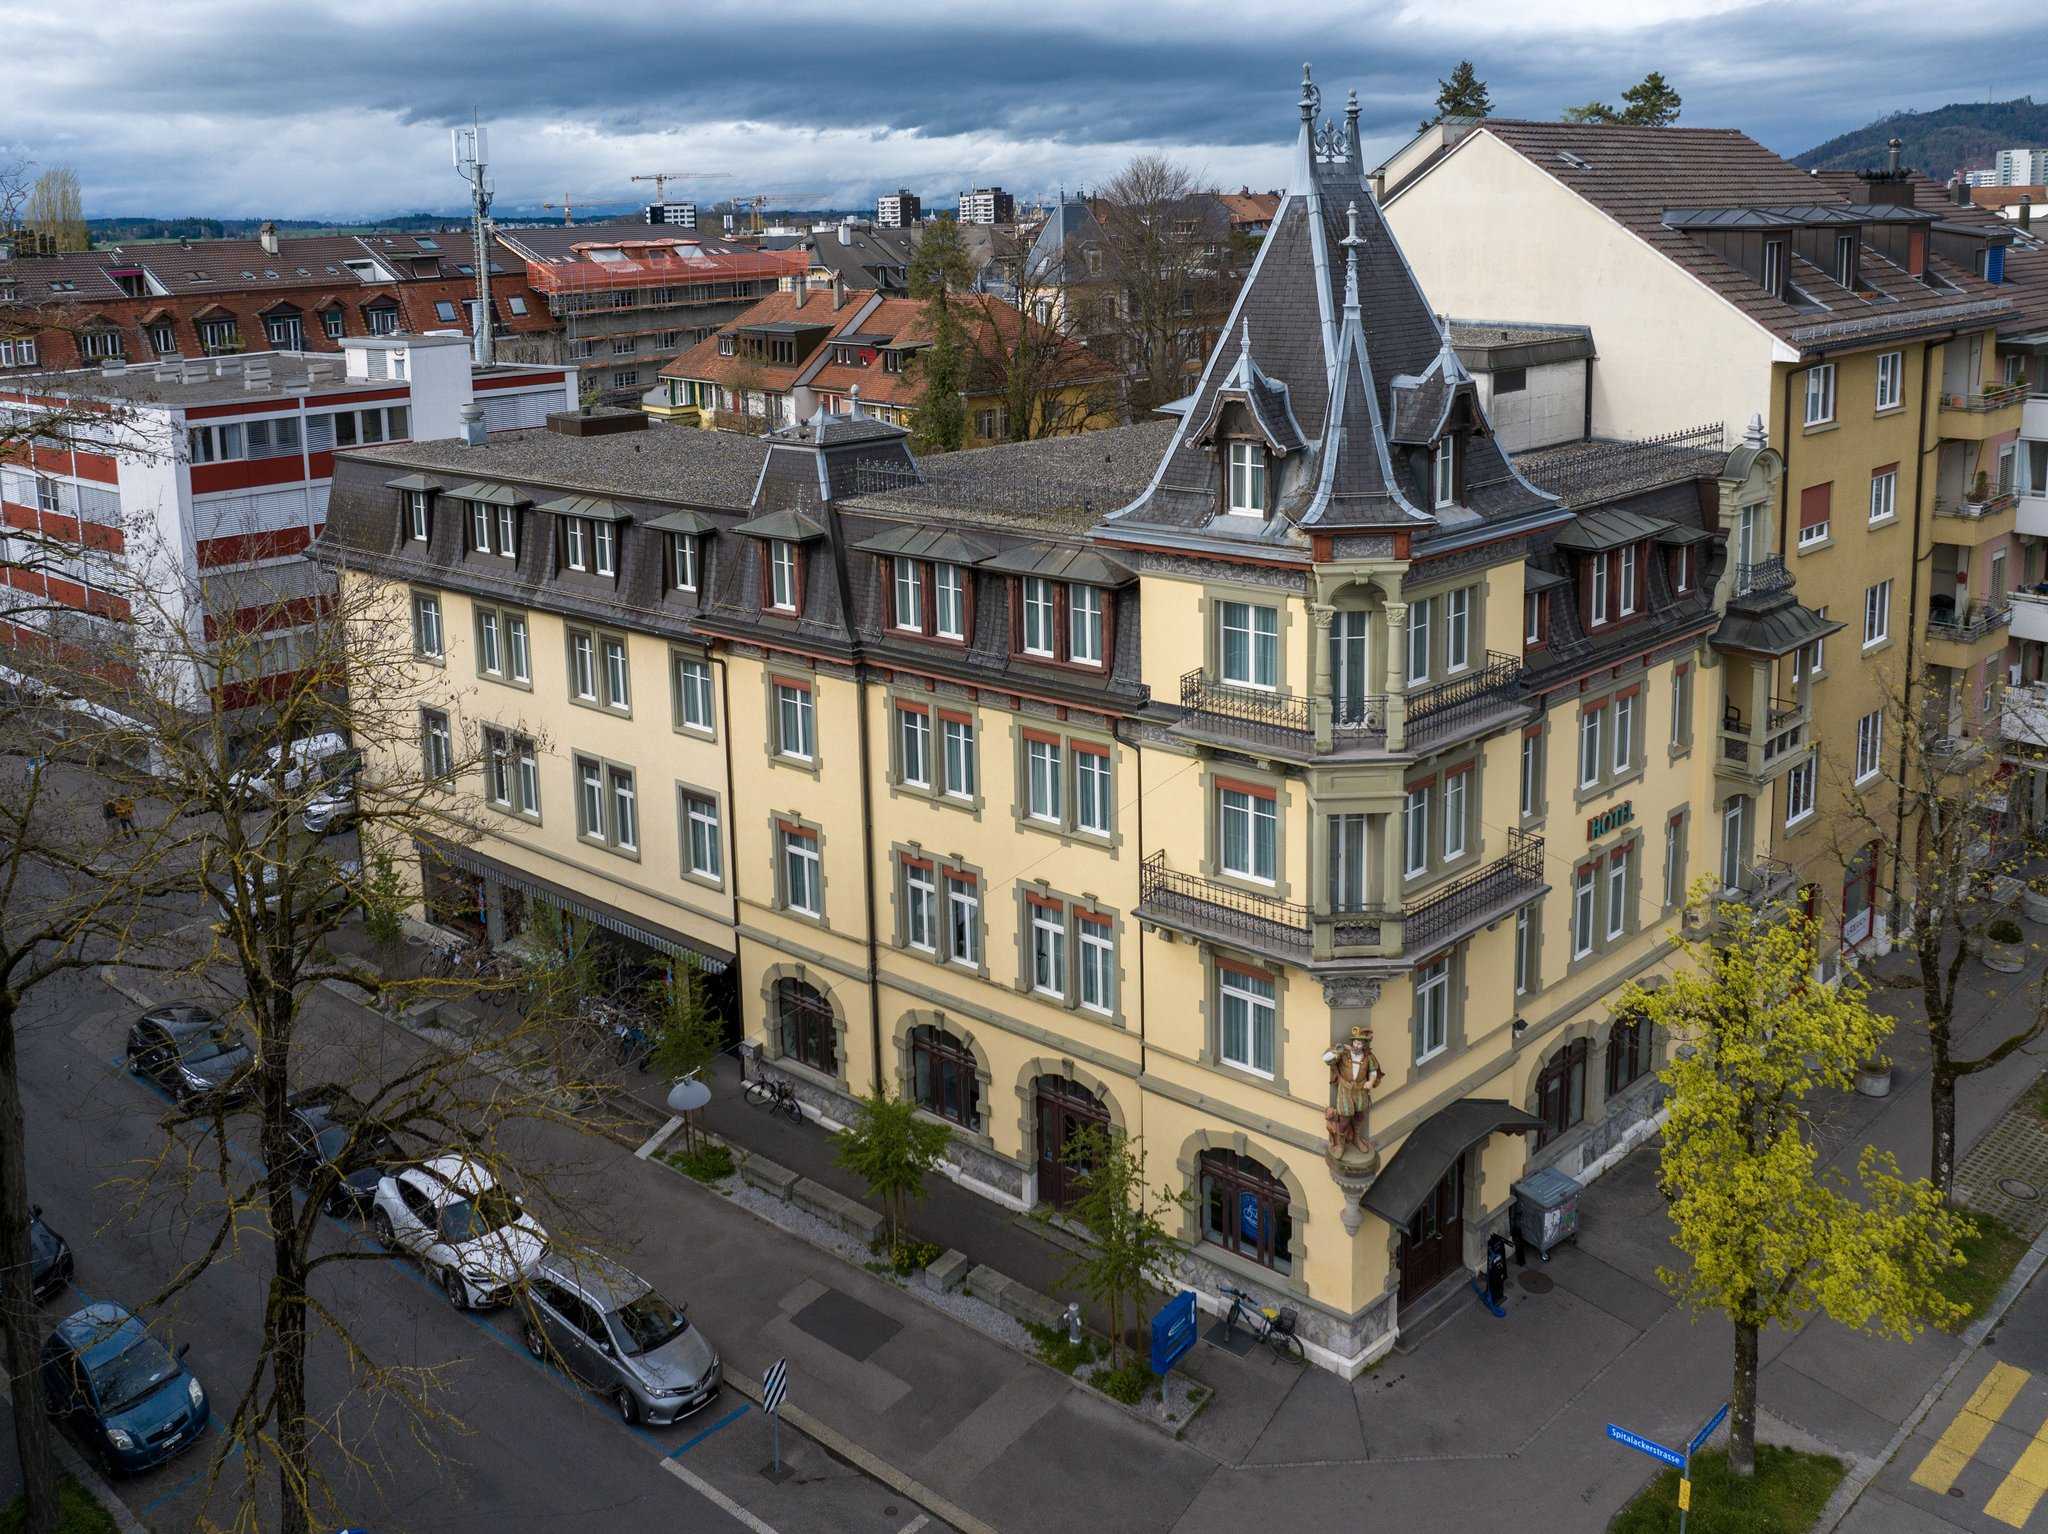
(900, 209)
(2020, 167)
(988, 205)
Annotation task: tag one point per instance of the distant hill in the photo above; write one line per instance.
(1964, 136)
(135, 229)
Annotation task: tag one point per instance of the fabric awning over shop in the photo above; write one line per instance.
(1431, 1149)
(674, 944)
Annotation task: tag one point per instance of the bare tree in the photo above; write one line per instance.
(56, 209)
(1028, 351)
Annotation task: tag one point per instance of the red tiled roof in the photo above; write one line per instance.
(1251, 207)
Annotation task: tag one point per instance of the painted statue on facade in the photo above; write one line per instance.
(1354, 1072)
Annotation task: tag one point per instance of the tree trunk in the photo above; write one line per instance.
(285, 1316)
(1742, 1402)
(1941, 1092)
(17, 1295)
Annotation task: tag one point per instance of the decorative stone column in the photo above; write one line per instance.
(1397, 675)
(1321, 707)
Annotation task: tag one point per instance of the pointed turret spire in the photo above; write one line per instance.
(1245, 343)
(1311, 98)
(1351, 241)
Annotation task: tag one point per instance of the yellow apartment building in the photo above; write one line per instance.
(1124, 779)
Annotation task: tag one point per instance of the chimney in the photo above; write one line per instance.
(803, 289)
(1892, 150)
(846, 231)
(473, 432)
(1959, 190)
(268, 236)
(855, 393)
(2026, 210)
(838, 290)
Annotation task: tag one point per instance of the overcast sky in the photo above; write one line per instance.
(305, 108)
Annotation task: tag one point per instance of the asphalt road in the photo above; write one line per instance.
(511, 1443)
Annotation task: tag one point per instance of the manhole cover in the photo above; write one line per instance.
(2014, 1187)
(1536, 1283)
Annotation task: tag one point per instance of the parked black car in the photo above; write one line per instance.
(50, 1263)
(189, 1052)
(329, 1127)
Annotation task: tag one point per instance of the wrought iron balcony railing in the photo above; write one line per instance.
(1259, 921)
(1446, 706)
(1973, 622)
(1284, 720)
(1475, 896)
(1762, 575)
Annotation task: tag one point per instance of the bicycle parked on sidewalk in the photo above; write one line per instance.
(776, 1097)
(1269, 1324)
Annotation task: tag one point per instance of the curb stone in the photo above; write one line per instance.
(72, 1463)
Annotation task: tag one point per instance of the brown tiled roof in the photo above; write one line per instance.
(1251, 207)
(2005, 196)
(1636, 174)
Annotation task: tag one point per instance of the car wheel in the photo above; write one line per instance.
(536, 1344)
(629, 1409)
(380, 1226)
(453, 1286)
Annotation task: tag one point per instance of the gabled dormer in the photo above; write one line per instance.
(1249, 428)
(1433, 418)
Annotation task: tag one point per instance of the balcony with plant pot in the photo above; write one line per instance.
(1979, 412)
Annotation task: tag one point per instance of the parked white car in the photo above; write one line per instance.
(333, 808)
(285, 770)
(464, 1228)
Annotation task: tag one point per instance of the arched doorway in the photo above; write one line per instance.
(1064, 1110)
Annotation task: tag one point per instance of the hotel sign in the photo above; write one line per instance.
(1622, 814)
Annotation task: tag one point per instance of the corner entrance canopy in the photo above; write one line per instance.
(1430, 1151)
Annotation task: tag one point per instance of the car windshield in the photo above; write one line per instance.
(372, 1143)
(208, 1043)
(466, 1219)
(647, 1323)
(119, 1382)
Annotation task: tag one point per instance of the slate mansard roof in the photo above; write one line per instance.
(1331, 335)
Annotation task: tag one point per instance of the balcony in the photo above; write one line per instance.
(1286, 724)
(1973, 416)
(1200, 907)
(1754, 756)
(1759, 880)
(2030, 614)
(1959, 636)
(2033, 514)
(1764, 575)
(1972, 521)
(1473, 901)
(2034, 418)
(2023, 721)
(1464, 706)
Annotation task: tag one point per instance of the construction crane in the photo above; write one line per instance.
(661, 179)
(570, 199)
(756, 202)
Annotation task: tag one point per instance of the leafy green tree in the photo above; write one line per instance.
(940, 267)
(1132, 1248)
(940, 422)
(1652, 103)
(1463, 95)
(1592, 112)
(687, 1033)
(384, 901)
(1771, 1235)
(893, 1149)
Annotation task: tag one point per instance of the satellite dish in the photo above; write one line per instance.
(688, 1095)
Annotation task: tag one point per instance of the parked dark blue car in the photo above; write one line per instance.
(132, 1400)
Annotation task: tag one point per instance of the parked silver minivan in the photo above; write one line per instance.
(609, 1328)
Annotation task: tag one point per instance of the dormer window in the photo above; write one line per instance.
(782, 575)
(1845, 260)
(1597, 616)
(727, 346)
(604, 544)
(1628, 580)
(1535, 618)
(910, 595)
(1038, 616)
(1247, 479)
(1681, 570)
(1774, 268)
(682, 561)
(928, 597)
(574, 554)
(1084, 625)
(416, 515)
(1444, 473)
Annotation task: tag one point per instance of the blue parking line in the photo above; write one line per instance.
(723, 1422)
(212, 1428)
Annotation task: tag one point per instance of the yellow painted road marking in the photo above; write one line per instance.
(1964, 1436)
(2014, 1500)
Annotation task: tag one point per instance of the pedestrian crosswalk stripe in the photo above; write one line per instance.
(1963, 1437)
(2014, 1500)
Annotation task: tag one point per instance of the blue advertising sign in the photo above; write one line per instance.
(1649, 1446)
(1708, 1431)
(1248, 1216)
(1173, 1331)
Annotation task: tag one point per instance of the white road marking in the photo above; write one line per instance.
(714, 1496)
(659, 1138)
(915, 1524)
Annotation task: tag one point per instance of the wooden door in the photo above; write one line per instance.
(1065, 1110)
(1434, 1243)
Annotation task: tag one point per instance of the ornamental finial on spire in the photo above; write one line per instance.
(1245, 344)
(1311, 97)
(1351, 241)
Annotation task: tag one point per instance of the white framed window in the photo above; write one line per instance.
(795, 722)
(529, 778)
(949, 591)
(1246, 1039)
(1681, 707)
(1532, 773)
(1624, 732)
(1097, 941)
(1891, 376)
(489, 656)
(682, 557)
(1248, 834)
(1820, 394)
(963, 917)
(1746, 524)
(1432, 1010)
(1042, 780)
(1048, 950)
(1444, 473)
(693, 694)
(1585, 896)
(1458, 629)
(518, 647)
(617, 692)
(508, 526)
(625, 808)
(603, 548)
(1869, 745)
(1628, 580)
(590, 798)
(1674, 861)
(426, 626)
(1589, 747)
(1799, 793)
(1617, 895)
(703, 849)
(1084, 625)
(957, 738)
(909, 595)
(782, 575)
(498, 768)
(802, 872)
(920, 908)
(437, 743)
(1774, 267)
(1599, 604)
(1733, 815)
(1420, 616)
(1457, 791)
(1247, 479)
(1038, 616)
(1251, 645)
(416, 515)
(1091, 790)
(1884, 496)
(1525, 950)
(1415, 830)
(1877, 614)
(480, 526)
(914, 746)
(1532, 618)
(1814, 657)
(573, 553)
